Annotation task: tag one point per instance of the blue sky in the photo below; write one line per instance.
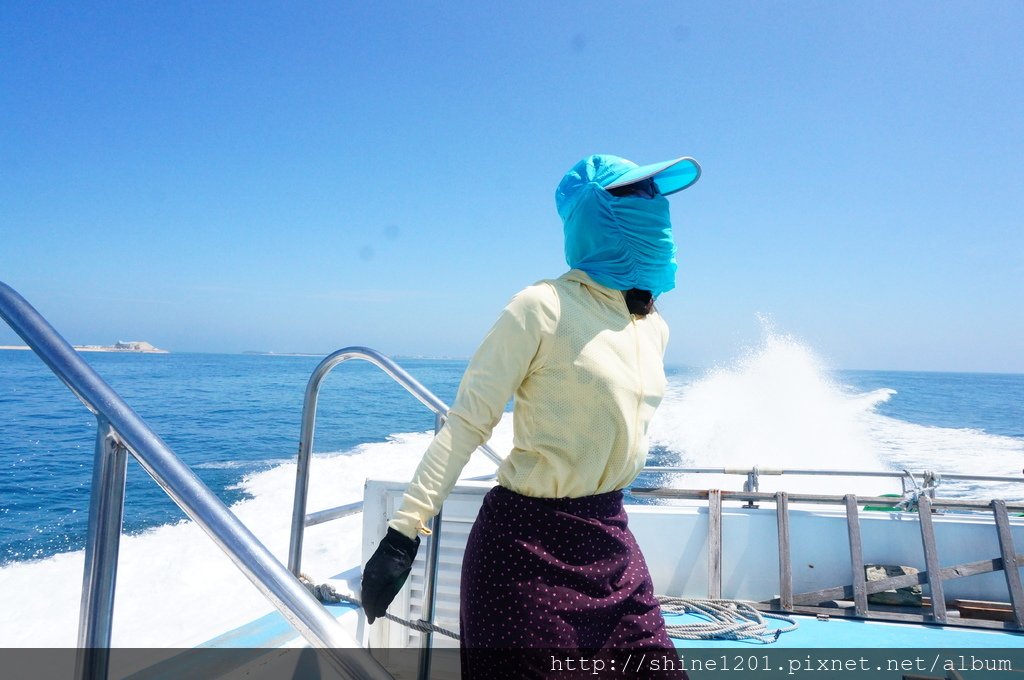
(305, 176)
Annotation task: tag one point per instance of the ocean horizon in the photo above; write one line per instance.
(233, 415)
(675, 366)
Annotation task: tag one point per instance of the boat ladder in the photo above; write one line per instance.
(1009, 560)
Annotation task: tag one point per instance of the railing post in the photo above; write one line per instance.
(785, 552)
(714, 544)
(1011, 568)
(430, 580)
(302, 467)
(106, 514)
(860, 588)
(298, 532)
(753, 483)
(931, 559)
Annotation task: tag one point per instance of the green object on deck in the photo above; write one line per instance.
(885, 508)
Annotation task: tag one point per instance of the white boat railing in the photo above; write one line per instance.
(912, 488)
(120, 431)
(756, 471)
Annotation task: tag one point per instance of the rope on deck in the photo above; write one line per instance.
(725, 619)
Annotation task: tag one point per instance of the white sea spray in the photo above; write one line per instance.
(175, 588)
(781, 407)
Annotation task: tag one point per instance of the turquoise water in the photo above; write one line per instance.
(230, 415)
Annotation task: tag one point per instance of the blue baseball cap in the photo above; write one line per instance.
(610, 172)
(670, 176)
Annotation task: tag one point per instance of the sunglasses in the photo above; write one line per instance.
(645, 188)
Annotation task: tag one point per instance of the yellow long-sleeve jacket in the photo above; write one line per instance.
(586, 376)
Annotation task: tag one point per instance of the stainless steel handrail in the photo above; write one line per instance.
(120, 431)
(911, 487)
(823, 499)
(894, 474)
(300, 520)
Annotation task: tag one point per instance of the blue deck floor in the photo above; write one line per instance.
(850, 633)
(273, 631)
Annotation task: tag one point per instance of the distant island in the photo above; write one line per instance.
(136, 346)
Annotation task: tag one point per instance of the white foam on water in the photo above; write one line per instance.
(175, 588)
(951, 450)
(780, 406)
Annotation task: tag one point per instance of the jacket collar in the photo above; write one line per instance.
(611, 295)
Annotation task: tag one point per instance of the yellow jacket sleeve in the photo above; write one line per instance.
(510, 351)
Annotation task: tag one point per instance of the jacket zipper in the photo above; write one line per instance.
(631, 455)
(640, 396)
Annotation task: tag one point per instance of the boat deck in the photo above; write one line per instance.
(273, 631)
(854, 633)
(269, 647)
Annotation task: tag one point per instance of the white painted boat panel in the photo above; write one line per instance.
(674, 539)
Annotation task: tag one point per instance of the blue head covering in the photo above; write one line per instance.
(622, 242)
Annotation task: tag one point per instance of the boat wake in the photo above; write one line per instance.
(778, 406)
(175, 588)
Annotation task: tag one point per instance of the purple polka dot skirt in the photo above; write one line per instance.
(554, 574)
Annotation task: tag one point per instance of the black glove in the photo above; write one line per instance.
(386, 571)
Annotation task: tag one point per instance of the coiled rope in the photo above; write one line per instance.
(725, 619)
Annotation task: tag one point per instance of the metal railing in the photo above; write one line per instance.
(300, 520)
(892, 474)
(912, 488)
(120, 431)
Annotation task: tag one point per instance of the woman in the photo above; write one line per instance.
(550, 562)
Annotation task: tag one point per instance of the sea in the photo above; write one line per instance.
(235, 419)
